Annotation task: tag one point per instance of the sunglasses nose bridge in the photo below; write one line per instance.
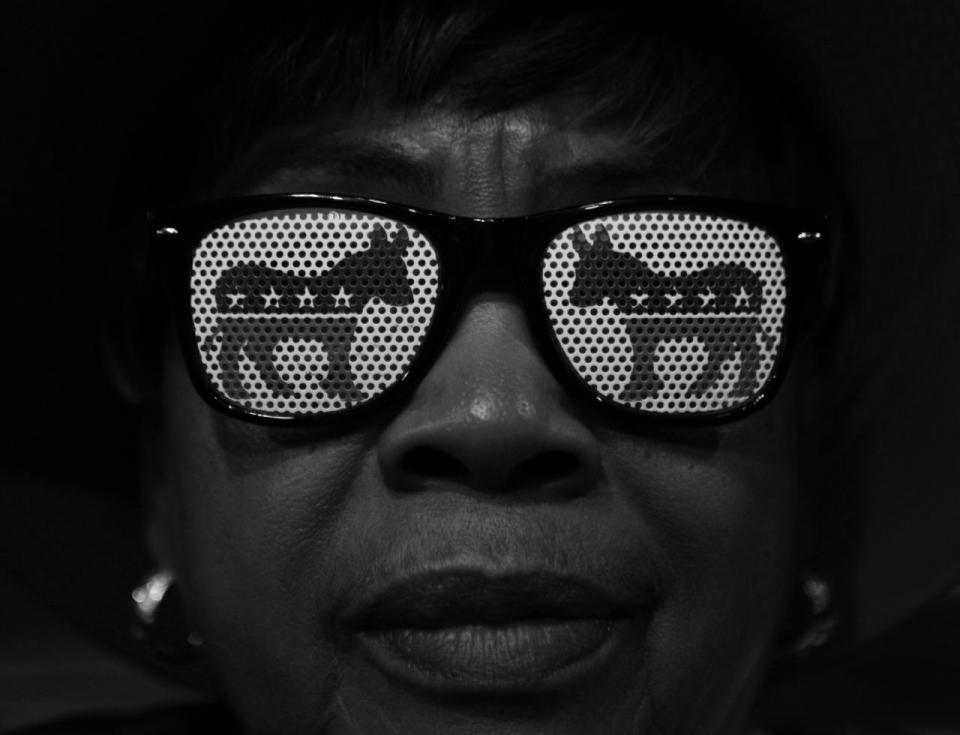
(487, 256)
(496, 256)
(492, 244)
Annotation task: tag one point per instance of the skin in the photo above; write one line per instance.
(275, 533)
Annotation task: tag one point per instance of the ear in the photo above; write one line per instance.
(133, 330)
(158, 494)
(122, 350)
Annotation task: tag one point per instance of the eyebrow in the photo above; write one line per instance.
(605, 174)
(277, 161)
(353, 158)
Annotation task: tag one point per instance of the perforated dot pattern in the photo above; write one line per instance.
(668, 312)
(310, 311)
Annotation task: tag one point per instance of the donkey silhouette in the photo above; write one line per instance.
(719, 306)
(262, 306)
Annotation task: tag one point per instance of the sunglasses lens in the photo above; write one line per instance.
(668, 313)
(310, 311)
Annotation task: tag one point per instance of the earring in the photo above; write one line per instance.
(818, 622)
(161, 627)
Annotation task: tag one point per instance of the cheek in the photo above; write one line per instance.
(250, 526)
(721, 525)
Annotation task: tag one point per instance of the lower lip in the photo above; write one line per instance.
(523, 655)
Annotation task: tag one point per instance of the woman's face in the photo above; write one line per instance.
(492, 554)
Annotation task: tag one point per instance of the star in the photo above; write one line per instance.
(742, 298)
(706, 298)
(235, 299)
(342, 299)
(639, 299)
(271, 299)
(673, 298)
(306, 298)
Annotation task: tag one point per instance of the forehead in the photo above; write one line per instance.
(534, 157)
(526, 159)
(648, 111)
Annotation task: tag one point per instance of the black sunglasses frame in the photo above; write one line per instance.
(466, 246)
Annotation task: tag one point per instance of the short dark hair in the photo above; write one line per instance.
(683, 77)
(687, 85)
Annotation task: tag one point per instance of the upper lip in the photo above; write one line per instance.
(442, 599)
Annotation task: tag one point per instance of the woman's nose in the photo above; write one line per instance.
(490, 416)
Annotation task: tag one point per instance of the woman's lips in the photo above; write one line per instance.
(471, 631)
(518, 654)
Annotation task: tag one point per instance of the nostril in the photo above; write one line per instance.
(432, 462)
(544, 468)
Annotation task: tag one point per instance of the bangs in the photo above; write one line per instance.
(667, 81)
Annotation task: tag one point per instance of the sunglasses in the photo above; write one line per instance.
(305, 308)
